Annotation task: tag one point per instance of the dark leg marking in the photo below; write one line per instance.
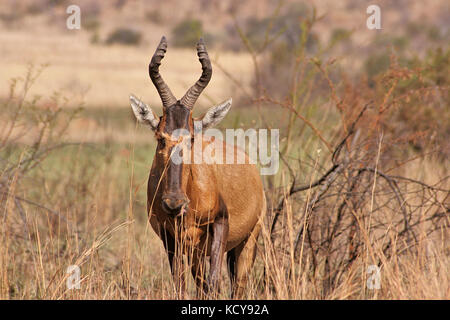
(219, 241)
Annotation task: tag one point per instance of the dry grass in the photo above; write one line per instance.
(121, 257)
(73, 184)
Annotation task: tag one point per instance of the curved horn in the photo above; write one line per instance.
(193, 93)
(166, 95)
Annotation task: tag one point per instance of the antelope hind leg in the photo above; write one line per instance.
(219, 241)
(244, 258)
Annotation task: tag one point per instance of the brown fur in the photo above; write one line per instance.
(237, 186)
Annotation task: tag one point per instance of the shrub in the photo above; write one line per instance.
(95, 38)
(154, 16)
(187, 32)
(376, 64)
(340, 34)
(124, 36)
(91, 23)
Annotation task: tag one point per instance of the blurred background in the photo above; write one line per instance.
(74, 163)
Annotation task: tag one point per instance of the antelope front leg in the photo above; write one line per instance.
(176, 263)
(219, 241)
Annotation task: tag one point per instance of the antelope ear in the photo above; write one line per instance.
(215, 114)
(144, 113)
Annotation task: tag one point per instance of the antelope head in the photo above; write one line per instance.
(176, 119)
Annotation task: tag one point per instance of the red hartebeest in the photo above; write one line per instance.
(199, 209)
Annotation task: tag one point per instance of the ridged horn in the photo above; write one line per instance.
(194, 92)
(166, 95)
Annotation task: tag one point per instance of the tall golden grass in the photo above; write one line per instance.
(362, 182)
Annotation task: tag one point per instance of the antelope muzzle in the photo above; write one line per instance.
(174, 204)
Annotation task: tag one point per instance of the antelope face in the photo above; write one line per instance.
(175, 129)
(174, 132)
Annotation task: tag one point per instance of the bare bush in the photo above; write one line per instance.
(359, 203)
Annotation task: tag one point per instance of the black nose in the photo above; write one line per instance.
(173, 203)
